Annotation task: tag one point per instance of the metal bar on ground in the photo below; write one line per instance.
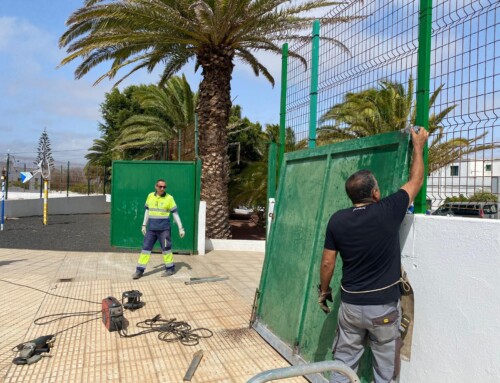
(197, 356)
(193, 281)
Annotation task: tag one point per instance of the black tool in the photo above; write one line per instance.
(31, 352)
(133, 300)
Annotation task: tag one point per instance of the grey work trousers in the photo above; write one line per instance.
(376, 326)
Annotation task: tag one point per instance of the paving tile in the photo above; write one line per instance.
(41, 283)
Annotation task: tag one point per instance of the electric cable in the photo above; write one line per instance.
(171, 330)
(59, 316)
(67, 315)
(46, 292)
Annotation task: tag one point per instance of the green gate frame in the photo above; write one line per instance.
(311, 188)
(134, 180)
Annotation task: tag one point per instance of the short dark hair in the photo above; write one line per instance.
(360, 185)
(160, 180)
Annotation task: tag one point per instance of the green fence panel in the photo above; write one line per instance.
(134, 180)
(311, 189)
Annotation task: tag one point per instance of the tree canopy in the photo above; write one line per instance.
(391, 107)
(145, 34)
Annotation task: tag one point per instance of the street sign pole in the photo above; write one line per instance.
(45, 201)
(3, 201)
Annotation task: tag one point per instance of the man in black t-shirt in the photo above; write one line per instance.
(367, 237)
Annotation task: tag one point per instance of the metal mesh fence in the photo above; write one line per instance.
(65, 179)
(380, 63)
(466, 63)
(297, 113)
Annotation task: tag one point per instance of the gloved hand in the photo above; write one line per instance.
(323, 297)
(143, 230)
(182, 233)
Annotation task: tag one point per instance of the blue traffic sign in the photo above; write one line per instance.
(26, 176)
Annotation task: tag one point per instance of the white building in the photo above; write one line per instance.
(464, 177)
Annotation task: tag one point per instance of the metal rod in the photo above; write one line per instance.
(194, 281)
(197, 356)
(305, 369)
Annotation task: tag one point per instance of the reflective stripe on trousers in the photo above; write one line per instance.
(163, 237)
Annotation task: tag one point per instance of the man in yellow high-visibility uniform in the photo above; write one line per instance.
(159, 205)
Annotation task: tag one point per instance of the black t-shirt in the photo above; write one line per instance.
(367, 239)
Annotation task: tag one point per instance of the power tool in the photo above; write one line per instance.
(133, 300)
(112, 314)
(31, 352)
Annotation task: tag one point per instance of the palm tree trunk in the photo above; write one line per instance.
(213, 112)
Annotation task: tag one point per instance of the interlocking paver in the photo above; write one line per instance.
(89, 353)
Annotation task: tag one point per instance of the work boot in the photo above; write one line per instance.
(168, 273)
(137, 274)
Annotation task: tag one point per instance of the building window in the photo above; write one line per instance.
(454, 170)
(487, 167)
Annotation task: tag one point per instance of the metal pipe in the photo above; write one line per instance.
(45, 202)
(423, 84)
(284, 84)
(305, 369)
(196, 136)
(313, 103)
(7, 179)
(67, 182)
(3, 204)
(179, 145)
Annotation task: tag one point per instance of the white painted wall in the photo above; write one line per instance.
(454, 267)
(95, 204)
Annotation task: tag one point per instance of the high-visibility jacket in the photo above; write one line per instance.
(160, 208)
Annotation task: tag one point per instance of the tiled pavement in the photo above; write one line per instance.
(89, 353)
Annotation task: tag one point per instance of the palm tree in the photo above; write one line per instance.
(389, 108)
(169, 33)
(249, 187)
(100, 153)
(169, 114)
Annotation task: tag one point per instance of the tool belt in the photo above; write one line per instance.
(405, 286)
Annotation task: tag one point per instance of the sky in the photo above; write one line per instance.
(37, 95)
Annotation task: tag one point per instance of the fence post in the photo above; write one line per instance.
(7, 179)
(179, 145)
(196, 136)
(67, 182)
(271, 171)
(284, 84)
(313, 100)
(423, 82)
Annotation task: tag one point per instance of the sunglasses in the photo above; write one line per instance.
(161, 187)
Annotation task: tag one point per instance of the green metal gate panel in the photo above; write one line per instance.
(134, 180)
(311, 189)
